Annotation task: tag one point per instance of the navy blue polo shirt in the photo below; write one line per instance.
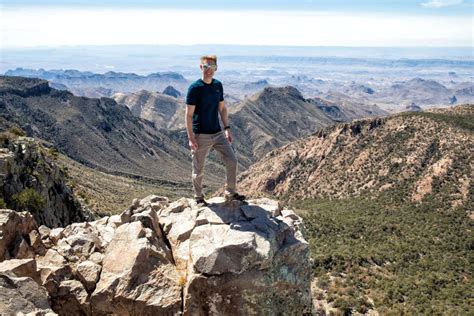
(206, 98)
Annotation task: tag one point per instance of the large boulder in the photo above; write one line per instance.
(239, 258)
(22, 295)
(15, 228)
(157, 258)
(138, 275)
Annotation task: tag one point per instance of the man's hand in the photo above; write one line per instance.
(228, 135)
(193, 143)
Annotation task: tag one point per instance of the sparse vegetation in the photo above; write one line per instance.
(107, 194)
(10, 134)
(28, 200)
(406, 257)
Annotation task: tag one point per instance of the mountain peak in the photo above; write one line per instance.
(171, 91)
(278, 93)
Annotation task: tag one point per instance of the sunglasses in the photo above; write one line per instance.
(207, 66)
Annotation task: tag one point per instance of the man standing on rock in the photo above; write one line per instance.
(205, 102)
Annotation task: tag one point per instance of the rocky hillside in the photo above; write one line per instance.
(276, 116)
(31, 181)
(159, 258)
(163, 110)
(96, 132)
(272, 118)
(419, 155)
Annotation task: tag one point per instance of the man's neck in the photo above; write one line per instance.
(207, 79)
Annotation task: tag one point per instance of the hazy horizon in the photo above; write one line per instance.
(143, 59)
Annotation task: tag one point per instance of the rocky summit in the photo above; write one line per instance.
(159, 258)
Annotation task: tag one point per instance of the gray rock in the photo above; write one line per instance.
(14, 228)
(31, 168)
(89, 273)
(228, 258)
(22, 295)
(138, 275)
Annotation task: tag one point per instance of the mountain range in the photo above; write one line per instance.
(96, 132)
(86, 83)
(389, 89)
(386, 200)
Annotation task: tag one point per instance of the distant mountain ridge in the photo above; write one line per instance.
(86, 83)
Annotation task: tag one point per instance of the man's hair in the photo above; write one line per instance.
(209, 57)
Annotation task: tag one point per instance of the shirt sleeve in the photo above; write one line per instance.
(192, 96)
(221, 97)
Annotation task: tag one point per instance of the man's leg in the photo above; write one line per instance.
(223, 147)
(199, 159)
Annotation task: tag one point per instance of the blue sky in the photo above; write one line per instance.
(423, 23)
(443, 7)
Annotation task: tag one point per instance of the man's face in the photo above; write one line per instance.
(208, 67)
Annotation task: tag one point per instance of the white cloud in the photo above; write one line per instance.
(441, 3)
(101, 26)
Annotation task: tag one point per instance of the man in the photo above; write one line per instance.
(205, 103)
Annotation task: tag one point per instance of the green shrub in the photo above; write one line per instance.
(406, 256)
(3, 204)
(16, 131)
(29, 200)
(53, 152)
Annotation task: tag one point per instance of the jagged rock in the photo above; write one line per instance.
(20, 295)
(21, 268)
(53, 269)
(138, 275)
(56, 234)
(96, 257)
(14, 228)
(71, 299)
(89, 273)
(44, 232)
(23, 250)
(37, 244)
(31, 169)
(239, 258)
(156, 258)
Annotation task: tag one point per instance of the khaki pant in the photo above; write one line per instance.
(223, 147)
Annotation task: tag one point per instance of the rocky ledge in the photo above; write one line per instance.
(159, 258)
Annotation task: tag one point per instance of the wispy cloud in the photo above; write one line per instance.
(441, 3)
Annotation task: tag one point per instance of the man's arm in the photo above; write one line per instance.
(225, 120)
(189, 126)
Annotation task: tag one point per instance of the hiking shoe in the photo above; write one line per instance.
(200, 201)
(236, 196)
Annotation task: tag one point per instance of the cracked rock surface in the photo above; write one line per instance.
(161, 258)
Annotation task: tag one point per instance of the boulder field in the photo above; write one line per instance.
(159, 258)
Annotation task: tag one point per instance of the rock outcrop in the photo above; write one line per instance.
(161, 258)
(30, 180)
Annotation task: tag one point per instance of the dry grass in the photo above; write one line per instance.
(109, 194)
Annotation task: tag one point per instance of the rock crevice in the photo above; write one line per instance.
(161, 258)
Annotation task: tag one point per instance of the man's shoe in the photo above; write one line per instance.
(200, 201)
(236, 197)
